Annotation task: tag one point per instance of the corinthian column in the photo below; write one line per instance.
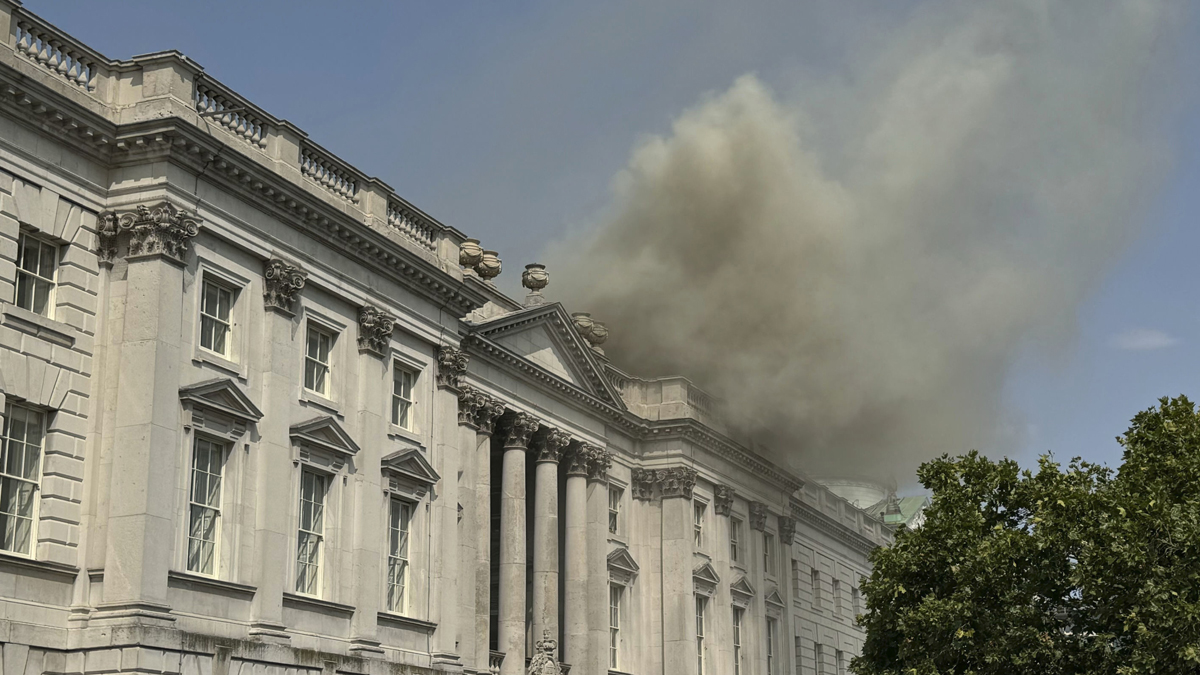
(547, 445)
(599, 460)
(489, 411)
(678, 599)
(511, 629)
(575, 567)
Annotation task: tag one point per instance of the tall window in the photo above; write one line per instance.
(402, 401)
(795, 579)
(398, 517)
(816, 589)
(771, 640)
(769, 553)
(737, 640)
(20, 471)
(855, 600)
(701, 604)
(614, 508)
(735, 539)
(37, 262)
(316, 360)
(311, 533)
(698, 518)
(215, 303)
(204, 513)
(614, 625)
(837, 598)
(841, 662)
(819, 657)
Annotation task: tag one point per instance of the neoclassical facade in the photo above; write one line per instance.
(262, 416)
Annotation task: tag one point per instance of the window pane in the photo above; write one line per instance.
(49, 255)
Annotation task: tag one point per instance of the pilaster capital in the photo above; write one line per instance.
(576, 457)
(598, 462)
(374, 329)
(644, 481)
(490, 409)
(548, 443)
(677, 481)
(758, 516)
(451, 364)
(470, 400)
(723, 500)
(281, 284)
(518, 429)
(161, 229)
(787, 530)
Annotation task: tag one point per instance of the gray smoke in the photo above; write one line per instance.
(854, 270)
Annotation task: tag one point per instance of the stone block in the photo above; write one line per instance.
(102, 661)
(60, 510)
(68, 466)
(62, 488)
(55, 531)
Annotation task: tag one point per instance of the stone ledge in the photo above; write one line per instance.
(408, 622)
(20, 565)
(209, 583)
(306, 602)
(55, 332)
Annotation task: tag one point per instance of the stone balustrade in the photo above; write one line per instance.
(230, 111)
(329, 172)
(412, 225)
(56, 52)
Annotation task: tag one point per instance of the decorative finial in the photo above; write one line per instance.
(535, 278)
(489, 266)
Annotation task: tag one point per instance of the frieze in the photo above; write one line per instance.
(723, 500)
(452, 363)
(375, 328)
(281, 284)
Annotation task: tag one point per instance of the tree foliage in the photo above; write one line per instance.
(1055, 570)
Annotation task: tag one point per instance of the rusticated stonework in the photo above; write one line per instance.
(518, 429)
(153, 230)
(374, 329)
(723, 500)
(281, 284)
(452, 363)
(548, 444)
(758, 516)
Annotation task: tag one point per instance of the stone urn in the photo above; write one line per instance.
(599, 335)
(584, 324)
(535, 278)
(488, 266)
(470, 253)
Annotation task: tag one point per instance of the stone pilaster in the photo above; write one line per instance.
(723, 500)
(369, 504)
(511, 625)
(599, 460)
(486, 415)
(470, 400)
(547, 446)
(443, 576)
(575, 558)
(678, 594)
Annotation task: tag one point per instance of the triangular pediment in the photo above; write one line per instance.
(621, 560)
(221, 395)
(324, 432)
(742, 587)
(545, 338)
(774, 599)
(411, 464)
(706, 573)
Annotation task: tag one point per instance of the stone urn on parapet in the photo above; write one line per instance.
(535, 278)
(544, 661)
(488, 267)
(470, 253)
(593, 332)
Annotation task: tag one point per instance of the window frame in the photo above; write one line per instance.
(614, 510)
(769, 556)
(36, 497)
(321, 537)
(819, 658)
(321, 329)
(224, 447)
(616, 597)
(42, 241)
(699, 514)
(771, 630)
(208, 279)
(836, 592)
(407, 511)
(701, 624)
(738, 623)
(815, 581)
(735, 536)
(404, 367)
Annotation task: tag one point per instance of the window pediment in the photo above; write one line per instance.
(219, 406)
(325, 435)
(408, 472)
(741, 592)
(774, 599)
(705, 579)
(622, 568)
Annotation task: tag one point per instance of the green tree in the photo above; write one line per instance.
(1057, 570)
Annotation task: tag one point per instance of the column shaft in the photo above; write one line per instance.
(511, 628)
(483, 548)
(574, 649)
(545, 550)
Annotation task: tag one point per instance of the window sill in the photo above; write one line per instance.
(406, 435)
(316, 400)
(244, 591)
(219, 362)
(427, 627)
(325, 606)
(52, 331)
(16, 563)
(702, 555)
(738, 566)
(618, 540)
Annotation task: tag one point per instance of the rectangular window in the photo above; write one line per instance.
(769, 553)
(402, 400)
(795, 579)
(771, 623)
(837, 598)
(855, 600)
(841, 662)
(20, 473)
(316, 361)
(614, 508)
(204, 507)
(311, 533)
(819, 658)
(816, 589)
(37, 263)
(698, 513)
(398, 517)
(735, 538)
(701, 603)
(737, 640)
(614, 625)
(216, 301)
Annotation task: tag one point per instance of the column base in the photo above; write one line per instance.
(366, 647)
(270, 632)
(446, 663)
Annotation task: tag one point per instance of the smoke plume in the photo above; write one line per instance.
(854, 270)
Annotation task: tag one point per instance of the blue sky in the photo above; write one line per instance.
(509, 121)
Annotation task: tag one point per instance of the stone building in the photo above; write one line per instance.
(262, 416)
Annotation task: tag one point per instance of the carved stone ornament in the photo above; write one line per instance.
(576, 457)
(518, 429)
(644, 482)
(548, 444)
(787, 530)
(535, 278)
(490, 410)
(489, 266)
(153, 230)
(723, 500)
(599, 460)
(452, 363)
(758, 516)
(281, 284)
(374, 329)
(470, 253)
(544, 661)
(677, 481)
(470, 400)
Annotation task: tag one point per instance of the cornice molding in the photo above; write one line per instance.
(807, 514)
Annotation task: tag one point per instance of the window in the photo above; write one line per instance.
(735, 537)
(397, 569)
(204, 506)
(402, 401)
(614, 624)
(37, 261)
(816, 589)
(768, 553)
(698, 512)
(311, 533)
(855, 600)
(614, 508)
(215, 304)
(737, 640)
(701, 603)
(837, 598)
(316, 361)
(795, 579)
(841, 662)
(20, 472)
(771, 624)
(819, 657)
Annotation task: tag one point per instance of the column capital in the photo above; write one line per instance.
(598, 462)
(489, 411)
(644, 481)
(577, 459)
(452, 363)
(723, 500)
(548, 443)
(470, 400)
(158, 230)
(758, 516)
(375, 328)
(677, 481)
(282, 282)
(518, 429)
(787, 530)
